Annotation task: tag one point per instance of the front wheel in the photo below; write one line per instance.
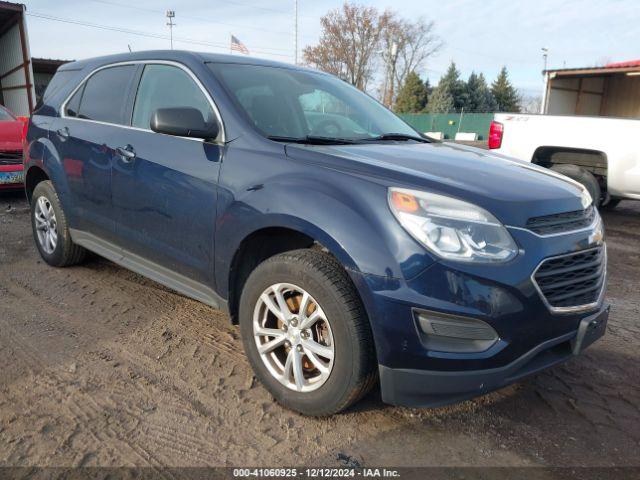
(306, 333)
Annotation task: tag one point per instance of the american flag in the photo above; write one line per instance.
(238, 46)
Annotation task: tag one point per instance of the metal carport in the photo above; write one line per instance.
(16, 73)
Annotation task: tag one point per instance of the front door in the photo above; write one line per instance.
(165, 187)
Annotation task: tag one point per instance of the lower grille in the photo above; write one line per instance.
(561, 222)
(10, 158)
(574, 280)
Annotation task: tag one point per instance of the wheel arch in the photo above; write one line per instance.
(33, 177)
(266, 241)
(594, 161)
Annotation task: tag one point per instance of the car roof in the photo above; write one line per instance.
(181, 56)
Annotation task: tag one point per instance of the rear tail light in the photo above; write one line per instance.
(495, 134)
(25, 128)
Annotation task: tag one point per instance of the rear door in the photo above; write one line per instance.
(165, 194)
(93, 119)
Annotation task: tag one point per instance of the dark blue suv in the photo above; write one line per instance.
(347, 246)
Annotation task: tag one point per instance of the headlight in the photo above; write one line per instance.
(451, 228)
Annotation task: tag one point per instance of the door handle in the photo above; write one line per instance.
(127, 153)
(63, 133)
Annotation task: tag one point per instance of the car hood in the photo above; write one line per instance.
(10, 136)
(512, 190)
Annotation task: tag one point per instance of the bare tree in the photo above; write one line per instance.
(530, 103)
(405, 47)
(348, 44)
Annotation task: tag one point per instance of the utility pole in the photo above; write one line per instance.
(545, 81)
(170, 16)
(295, 32)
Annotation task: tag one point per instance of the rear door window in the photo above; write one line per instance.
(166, 86)
(73, 105)
(104, 96)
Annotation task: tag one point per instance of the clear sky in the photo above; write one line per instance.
(480, 35)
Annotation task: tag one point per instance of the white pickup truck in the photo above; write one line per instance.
(601, 153)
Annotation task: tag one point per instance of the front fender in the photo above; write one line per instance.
(347, 215)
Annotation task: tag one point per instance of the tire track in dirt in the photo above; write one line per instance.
(56, 389)
(86, 410)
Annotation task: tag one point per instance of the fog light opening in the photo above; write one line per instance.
(451, 333)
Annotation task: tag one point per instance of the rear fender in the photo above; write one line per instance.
(41, 153)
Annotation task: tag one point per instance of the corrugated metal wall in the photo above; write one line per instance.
(11, 56)
(450, 123)
(622, 97)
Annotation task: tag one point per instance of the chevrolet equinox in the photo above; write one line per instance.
(349, 248)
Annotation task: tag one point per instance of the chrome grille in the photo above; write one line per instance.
(572, 281)
(561, 222)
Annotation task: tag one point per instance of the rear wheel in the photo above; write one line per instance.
(51, 230)
(584, 177)
(306, 334)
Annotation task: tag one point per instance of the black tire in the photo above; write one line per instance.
(611, 204)
(354, 370)
(65, 253)
(583, 177)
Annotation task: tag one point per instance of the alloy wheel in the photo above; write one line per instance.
(46, 225)
(293, 337)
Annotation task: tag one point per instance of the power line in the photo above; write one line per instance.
(493, 57)
(142, 33)
(253, 7)
(199, 19)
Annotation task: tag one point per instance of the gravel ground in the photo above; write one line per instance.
(101, 367)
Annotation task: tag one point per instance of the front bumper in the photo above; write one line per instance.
(530, 335)
(421, 388)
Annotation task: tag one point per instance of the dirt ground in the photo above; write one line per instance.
(101, 367)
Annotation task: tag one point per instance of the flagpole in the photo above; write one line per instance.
(295, 33)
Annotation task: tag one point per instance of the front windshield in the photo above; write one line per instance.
(288, 103)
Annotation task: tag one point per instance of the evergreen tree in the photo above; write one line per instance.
(454, 86)
(428, 87)
(479, 98)
(504, 93)
(440, 100)
(413, 95)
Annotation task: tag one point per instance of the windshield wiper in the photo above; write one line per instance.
(396, 136)
(313, 140)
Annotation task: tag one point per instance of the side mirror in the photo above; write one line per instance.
(183, 122)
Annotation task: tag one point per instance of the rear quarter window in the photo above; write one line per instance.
(59, 81)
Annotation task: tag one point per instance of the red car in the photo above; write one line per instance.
(11, 132)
